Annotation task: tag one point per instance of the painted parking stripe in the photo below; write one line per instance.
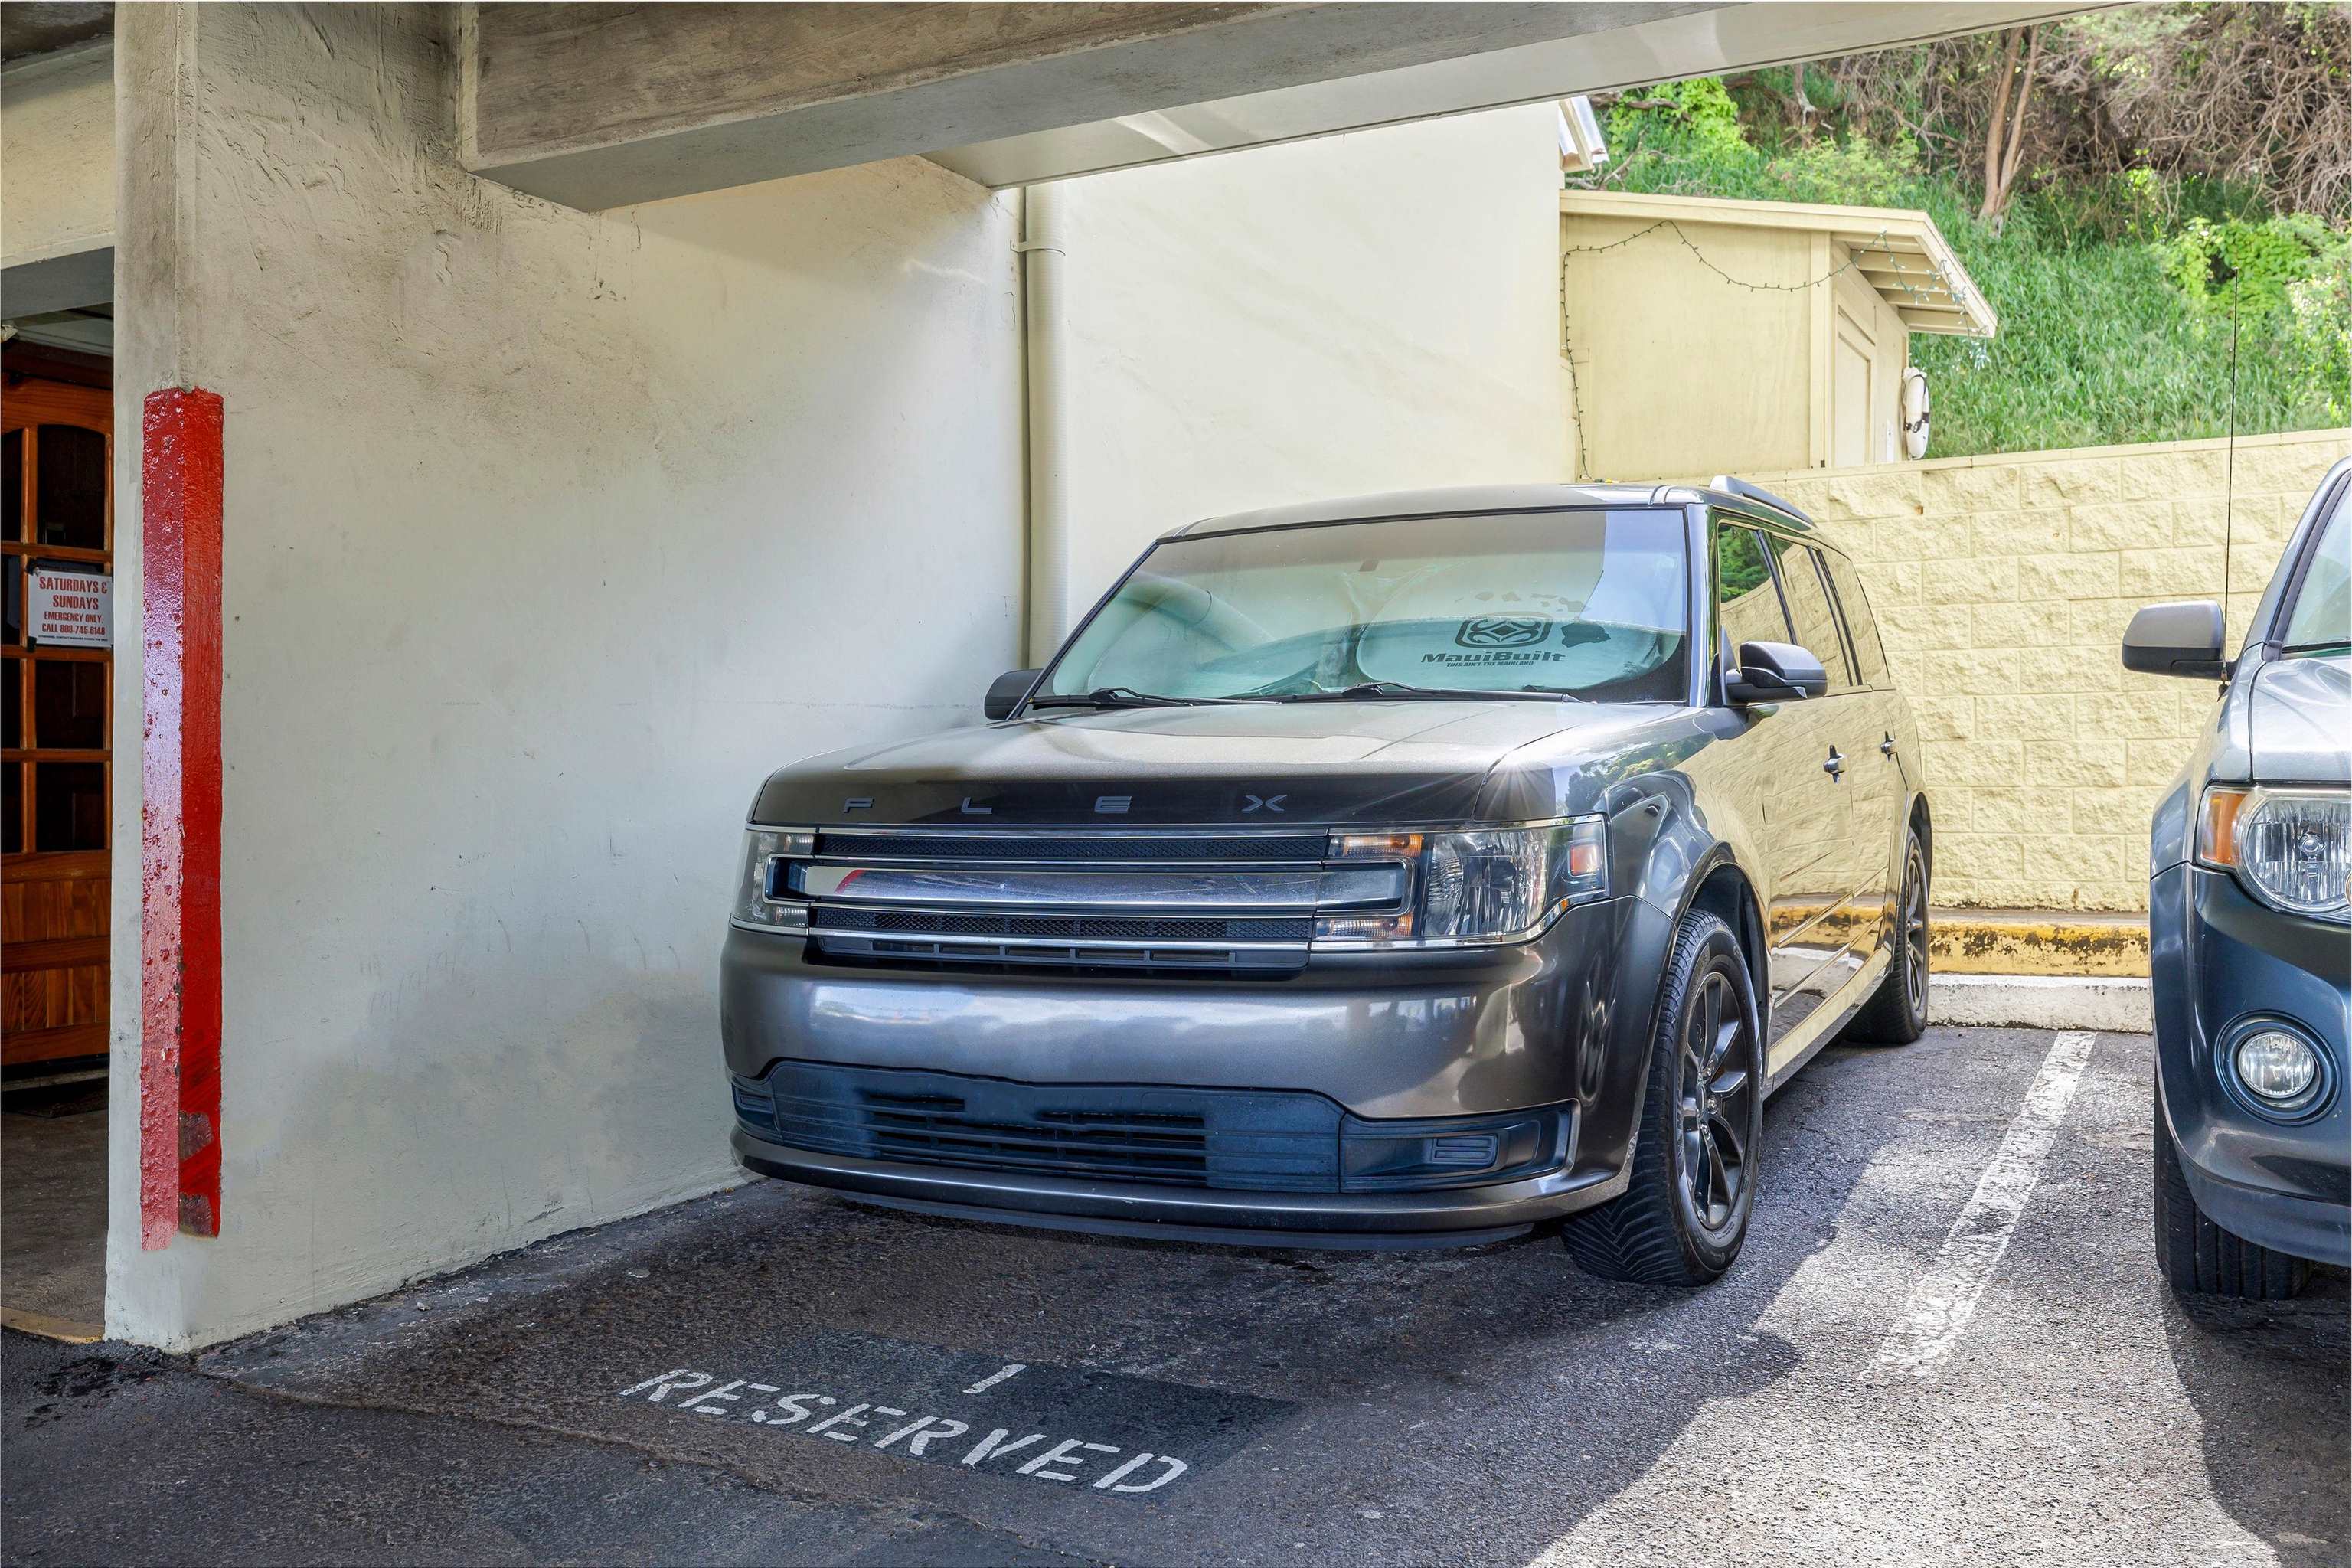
(1946, 1297)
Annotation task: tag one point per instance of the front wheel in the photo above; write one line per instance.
(1685, 1210)
(1896, 1013)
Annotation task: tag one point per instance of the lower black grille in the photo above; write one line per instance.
(1130, 1145)
(1265, 1142)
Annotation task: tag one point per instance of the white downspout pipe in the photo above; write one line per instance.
(1045, 272)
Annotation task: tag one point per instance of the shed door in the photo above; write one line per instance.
(56, 740)
(1850, 394)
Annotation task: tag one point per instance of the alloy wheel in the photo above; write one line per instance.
(1714, 1095)
(1914, 937)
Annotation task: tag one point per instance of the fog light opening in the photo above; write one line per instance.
(2277, 1068)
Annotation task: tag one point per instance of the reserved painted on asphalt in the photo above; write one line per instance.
(1110, 1432)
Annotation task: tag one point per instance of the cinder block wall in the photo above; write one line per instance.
(2003, 585)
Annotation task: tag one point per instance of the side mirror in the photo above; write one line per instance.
(1775, 672)
(1006, 693)
(2182, 638)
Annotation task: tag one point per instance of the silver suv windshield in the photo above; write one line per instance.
(2321, 620)
(1590, 604)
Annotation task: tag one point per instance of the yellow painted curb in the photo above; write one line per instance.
(2038, 942)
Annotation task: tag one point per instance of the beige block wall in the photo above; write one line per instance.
(2003, 585)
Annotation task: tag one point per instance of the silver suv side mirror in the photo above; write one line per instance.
(2183, 638)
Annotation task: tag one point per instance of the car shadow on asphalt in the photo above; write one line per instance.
(2268, 1380)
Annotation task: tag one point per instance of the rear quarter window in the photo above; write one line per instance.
(1810, 609)
(1860, 623)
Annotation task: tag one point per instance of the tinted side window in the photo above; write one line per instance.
(1747, 603)
(1861, 626)
(1810, 609)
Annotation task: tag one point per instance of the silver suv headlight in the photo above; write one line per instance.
(761, 900)
(2291, 848)
(1475, 887)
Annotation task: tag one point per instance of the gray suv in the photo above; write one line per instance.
(1418, 869)
(2250, 928)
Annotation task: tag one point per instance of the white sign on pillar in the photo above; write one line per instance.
(70, 610)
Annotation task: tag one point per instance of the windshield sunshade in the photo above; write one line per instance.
(1585, 604)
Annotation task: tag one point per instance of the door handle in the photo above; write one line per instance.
(1887, 747)
(1835, 766)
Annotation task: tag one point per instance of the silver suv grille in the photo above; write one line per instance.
(1186, 900)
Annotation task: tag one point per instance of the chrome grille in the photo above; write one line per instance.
(1186, 900)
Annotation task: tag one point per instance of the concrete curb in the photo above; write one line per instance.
(2111, 1004)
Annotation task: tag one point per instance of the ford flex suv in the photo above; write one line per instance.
(1423, 869)
(2249, 931)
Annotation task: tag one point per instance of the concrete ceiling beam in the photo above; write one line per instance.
(598, 106)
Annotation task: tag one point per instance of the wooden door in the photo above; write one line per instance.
(56, 511)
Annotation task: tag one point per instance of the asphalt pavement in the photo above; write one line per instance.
(1946, 1343)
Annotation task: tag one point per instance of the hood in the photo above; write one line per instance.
(2299, 720)
(1246, 764)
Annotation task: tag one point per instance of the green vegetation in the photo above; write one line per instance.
(2120, 284)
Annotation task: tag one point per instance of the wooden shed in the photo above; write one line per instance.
(1706, 336)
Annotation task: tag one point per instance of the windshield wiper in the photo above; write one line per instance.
(2329, 645)
(1401, 688)
(1128, 697)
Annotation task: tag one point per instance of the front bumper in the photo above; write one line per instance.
(1391, 1047)
(2219, 959)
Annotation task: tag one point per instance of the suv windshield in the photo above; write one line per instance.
(1588, 604)
(2321, 620)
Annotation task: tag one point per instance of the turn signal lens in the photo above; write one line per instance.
(1375, 847)
(2217, 826)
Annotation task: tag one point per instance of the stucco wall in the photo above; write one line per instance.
(57, 156)
(1364, 313)
(548, 534)
(2003, 585)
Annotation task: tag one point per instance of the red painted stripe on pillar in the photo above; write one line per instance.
(179, 842)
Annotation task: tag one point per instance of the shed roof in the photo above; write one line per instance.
(1900, 253)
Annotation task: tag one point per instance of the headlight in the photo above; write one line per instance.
(2292, 847)
(1476, 886)
(760, 901)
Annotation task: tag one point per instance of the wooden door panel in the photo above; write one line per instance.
(56, 888)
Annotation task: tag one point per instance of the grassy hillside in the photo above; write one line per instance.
(2114, 296)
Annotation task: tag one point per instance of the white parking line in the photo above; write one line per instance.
(1946, 1297)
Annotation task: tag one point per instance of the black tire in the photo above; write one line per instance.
(1896, 1013)
(1697, 1150)
(2198, 1258)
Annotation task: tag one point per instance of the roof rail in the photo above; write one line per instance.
(1741, 487)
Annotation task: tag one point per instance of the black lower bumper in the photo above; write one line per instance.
(1273, 1168)
(2222, 964)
